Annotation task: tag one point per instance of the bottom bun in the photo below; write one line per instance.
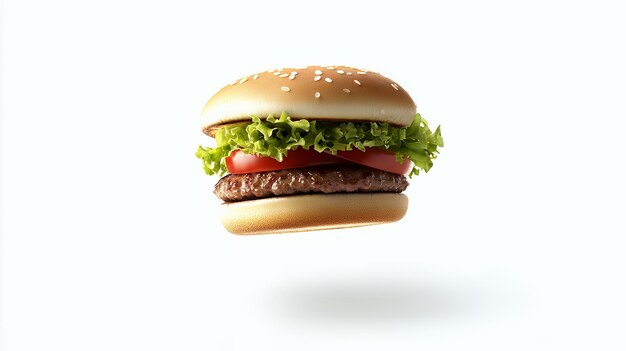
(300, 213)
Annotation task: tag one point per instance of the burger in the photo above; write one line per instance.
(318, 147)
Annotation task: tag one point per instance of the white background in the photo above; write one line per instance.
(515, 240)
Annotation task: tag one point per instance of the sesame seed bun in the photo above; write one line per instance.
(335, 93)
(312, 212)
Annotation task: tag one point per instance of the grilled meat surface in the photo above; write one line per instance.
(322, 179)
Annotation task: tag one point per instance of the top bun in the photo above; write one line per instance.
(336, 93)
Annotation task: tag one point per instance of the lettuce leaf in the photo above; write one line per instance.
(275, 137)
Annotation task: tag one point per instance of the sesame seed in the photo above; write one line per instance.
(349, 73)
(285, 89)
(256, 76)
(340, 71)
(359, 72)
(318, 72)
(357, 82)
(283, 75)
(317, 94)
(292, 77)
(331, 67)
(243, 80)
(317, 78)
(294, 73)
(328, 80)
(276, 73)
(347, 91)
(395, 86)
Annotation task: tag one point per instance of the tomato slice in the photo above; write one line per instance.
(377, 158)
(240, 163)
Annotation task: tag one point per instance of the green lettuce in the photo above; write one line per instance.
(275, 137)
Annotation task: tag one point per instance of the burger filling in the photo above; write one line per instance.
(281, 156)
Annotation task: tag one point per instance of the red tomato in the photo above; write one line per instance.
(377, 158)
(239, 162)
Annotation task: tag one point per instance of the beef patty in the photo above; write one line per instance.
(324, 179)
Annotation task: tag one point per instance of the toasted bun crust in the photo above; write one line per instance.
(312, 212)
(335, 93)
